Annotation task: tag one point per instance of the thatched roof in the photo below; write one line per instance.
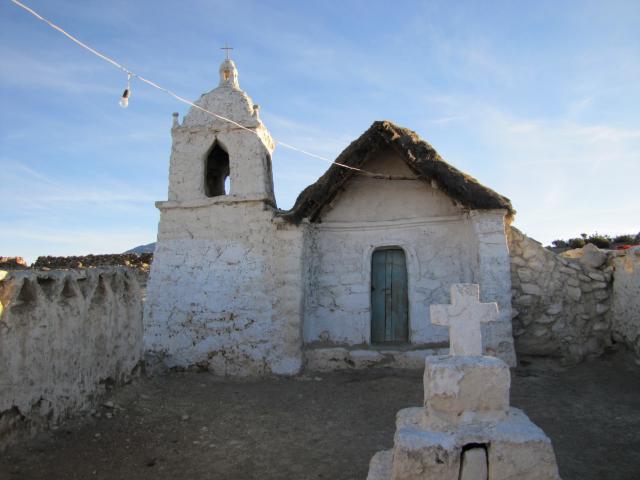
(420, 157)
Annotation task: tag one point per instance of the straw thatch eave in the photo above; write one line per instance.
(420, 157)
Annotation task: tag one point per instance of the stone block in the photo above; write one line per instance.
(457, 386)
(574, 293)
(531, 289)
(515, 449)
(525, 300)
(536, 264)
(365, 358)
(327, 359)
(421, 453)
(525, 274)
(554, 309)
(597, 276)
(380, 465)
(592, 256)
(518, 261)
(574, 282)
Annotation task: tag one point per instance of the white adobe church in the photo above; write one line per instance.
(344, 278)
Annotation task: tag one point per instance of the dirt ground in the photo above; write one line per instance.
(195, 426)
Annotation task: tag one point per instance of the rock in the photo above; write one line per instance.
(600, 326)
(380, 466)
(531, 289)
(543, 319)
(597, 276)
(536, 264)
(184, 417)
(601, 295)
(592, 256)
(108, 404)
(523, 300)
(554, 309)
(525, 274)
(518, 261)
(540, 331)
(587, 287)
(574, 293)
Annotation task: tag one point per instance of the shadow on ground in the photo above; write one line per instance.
(194, 426)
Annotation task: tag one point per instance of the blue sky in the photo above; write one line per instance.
(537, 100)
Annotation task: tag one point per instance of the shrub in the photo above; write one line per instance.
(559, 244)
(600, 241)
(624, 239)
(576, 242)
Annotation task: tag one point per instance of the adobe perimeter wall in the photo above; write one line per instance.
(64, 335)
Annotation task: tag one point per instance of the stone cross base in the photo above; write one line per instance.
(465, 389)
(466, 429)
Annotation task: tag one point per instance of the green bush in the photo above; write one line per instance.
(626, 239)
(576, 242)
(600, 241)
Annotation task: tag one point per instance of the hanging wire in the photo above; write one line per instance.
(131, 74)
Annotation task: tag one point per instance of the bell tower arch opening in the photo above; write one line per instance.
(216, 172)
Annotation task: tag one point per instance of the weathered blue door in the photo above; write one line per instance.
(389, 296)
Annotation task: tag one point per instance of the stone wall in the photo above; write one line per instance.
(64, 335)
(560, 305)
(625, 311)
(124, 259)
(13, 263)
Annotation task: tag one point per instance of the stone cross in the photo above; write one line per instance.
(463, 317)
(227, 48)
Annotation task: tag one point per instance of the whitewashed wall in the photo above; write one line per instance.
(63, 334)
(443, 244)
(214, 293)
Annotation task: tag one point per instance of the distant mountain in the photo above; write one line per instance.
(149, 248)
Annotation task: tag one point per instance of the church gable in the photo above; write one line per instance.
(421, 159)
(366, 199)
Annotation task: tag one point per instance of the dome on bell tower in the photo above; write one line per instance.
(222, 148)
(226, 100)
(228, 74)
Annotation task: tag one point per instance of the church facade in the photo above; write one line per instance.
(343, 279)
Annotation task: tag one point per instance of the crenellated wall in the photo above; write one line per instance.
(64, 335)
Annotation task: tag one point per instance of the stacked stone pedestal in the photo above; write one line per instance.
(466, 429)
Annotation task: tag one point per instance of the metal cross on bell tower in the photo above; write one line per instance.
(227, 48)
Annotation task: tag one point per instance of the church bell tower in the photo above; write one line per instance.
(222, 147)
(210, 296)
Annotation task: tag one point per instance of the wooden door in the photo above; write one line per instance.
(389, 297)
